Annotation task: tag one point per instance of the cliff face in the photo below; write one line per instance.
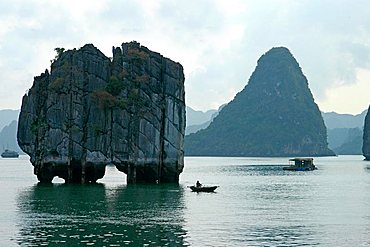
(366, 137)
(274, 115)
(90, 111)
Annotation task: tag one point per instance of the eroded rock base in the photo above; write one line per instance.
(91, 110)
(149, 173)
(75, 172)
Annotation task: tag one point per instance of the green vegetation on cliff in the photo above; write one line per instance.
(274, 115)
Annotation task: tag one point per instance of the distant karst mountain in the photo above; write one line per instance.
(7, 116)
(274, 115)
(206, 120)
(345, 140)
(344, 131)
(194, 117)
(8, 137)
(335, 120)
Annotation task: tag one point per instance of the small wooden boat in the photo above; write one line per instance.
(301, 164)
(203, 188)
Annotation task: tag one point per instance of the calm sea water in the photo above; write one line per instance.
(257, 204)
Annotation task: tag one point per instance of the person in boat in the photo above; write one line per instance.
(198, 184)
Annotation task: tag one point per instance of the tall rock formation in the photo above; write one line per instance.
(90, 111)
(366, 137)
(274, 115)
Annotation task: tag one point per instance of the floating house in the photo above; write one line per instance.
(301, 164)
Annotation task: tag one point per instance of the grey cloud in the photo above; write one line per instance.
(123, 15)
(191, 15)
(360, 54)
(330, 39)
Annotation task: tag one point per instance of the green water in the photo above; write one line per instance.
(257, 204)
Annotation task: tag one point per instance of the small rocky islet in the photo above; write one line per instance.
(91, 110)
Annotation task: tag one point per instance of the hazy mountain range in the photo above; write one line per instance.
(8, 137)
(7, 116)
(335, 120)
(200, 115)
(194, 117)
(8, 130)
(332, 120)
(344, 130)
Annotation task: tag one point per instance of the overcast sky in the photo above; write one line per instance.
(217, 41)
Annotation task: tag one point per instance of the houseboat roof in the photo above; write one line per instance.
(301, 159)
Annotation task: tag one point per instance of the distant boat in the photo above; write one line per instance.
(301, 164)
(203, 188)
(9, 154)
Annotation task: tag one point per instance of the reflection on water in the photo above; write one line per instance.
(260, 204)
(296, 235)
(282, 206)
(259, 170)
(95, 215)
(257, 204)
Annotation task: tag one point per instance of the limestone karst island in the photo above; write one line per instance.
(274, 115)
(90, 111)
